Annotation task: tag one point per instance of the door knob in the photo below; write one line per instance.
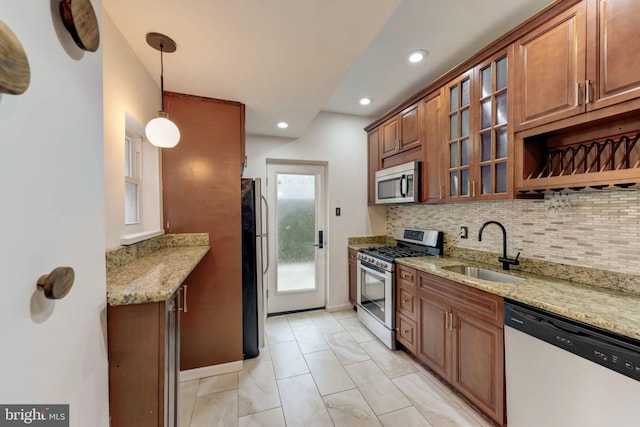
(57, 284)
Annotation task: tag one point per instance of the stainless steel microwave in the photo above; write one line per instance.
(398, 184)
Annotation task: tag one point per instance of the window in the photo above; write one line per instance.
(142, 200)
(132, 179)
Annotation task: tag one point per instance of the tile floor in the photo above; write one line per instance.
(323, 369)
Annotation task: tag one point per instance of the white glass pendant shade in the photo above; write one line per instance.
(162, 132)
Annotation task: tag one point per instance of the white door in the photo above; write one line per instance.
(298, 236)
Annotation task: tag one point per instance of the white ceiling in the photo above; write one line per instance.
(287, 60)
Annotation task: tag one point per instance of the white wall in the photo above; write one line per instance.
(51, 183)
(128, 89)
(340, 141)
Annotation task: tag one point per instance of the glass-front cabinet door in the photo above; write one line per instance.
(493, 136)
(478, 138)
(459, 138)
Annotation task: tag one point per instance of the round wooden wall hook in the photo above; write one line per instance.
(57, 284)
(79, 18)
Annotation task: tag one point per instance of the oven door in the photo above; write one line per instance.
(375, 293)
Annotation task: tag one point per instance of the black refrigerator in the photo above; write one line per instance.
(255, 263)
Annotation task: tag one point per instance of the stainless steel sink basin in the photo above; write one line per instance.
(484, 274)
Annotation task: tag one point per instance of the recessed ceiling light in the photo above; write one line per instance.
(417, 56)
(365, 101)
(283, 125)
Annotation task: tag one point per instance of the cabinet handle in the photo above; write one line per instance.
(406, 276)
(405, 331)
(587, 92)
(446, 320)
(451, 321)
(577, 94)
(440, 192)
(473, 188)
(405, 300)
(184, 300)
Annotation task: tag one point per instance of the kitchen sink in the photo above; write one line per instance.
(484, 274)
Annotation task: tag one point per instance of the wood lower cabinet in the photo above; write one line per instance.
(201, 194)
(478, 361)
(353, 276)
(434, 336)
(144, 369)
(406, 307)
(457, 332)
(462, 340)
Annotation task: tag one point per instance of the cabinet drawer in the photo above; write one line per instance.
(406, 276)
(406, 302)
(481, 304)
(406, 333)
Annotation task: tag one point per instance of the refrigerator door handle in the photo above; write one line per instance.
(266, 214)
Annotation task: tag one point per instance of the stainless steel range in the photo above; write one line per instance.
(376, 279)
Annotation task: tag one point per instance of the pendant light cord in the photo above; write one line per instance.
(162, 76)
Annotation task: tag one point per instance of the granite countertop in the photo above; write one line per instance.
(610, 309)
(153, 277)
(370, 241)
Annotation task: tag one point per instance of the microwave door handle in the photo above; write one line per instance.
(403, 190)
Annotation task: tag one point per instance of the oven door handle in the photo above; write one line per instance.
(373, 269)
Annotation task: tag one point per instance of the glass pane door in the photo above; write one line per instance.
(296, 196)
(295, 193)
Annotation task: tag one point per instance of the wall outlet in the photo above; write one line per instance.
(337, 211)
(464, 232)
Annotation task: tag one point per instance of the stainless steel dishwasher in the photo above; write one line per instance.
(562, 373)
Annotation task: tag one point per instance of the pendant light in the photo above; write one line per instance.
(161, 131)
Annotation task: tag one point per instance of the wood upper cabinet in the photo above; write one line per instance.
(550, 67)
(432, 168)
(613, 54)
(479, 143)
(581, 60)
(373, 153)
(410, 120)
(402, 132)
(353, 276)
(389, 137)
(459, 143)
(460, 337)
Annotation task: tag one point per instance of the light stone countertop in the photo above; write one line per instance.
(608, 309)
(153, 277)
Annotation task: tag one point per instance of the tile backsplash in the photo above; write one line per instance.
(598, 229)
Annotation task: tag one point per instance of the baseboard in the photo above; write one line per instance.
(341, 307)
(208, 371)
